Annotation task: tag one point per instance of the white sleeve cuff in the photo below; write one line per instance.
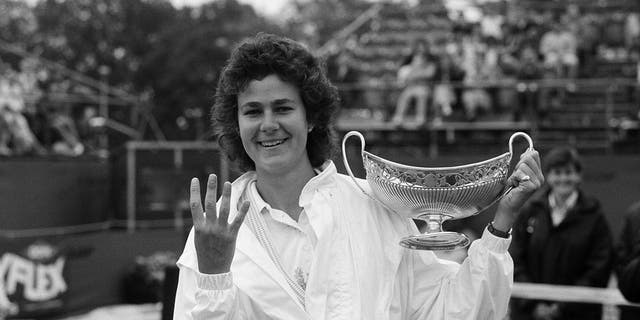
(220, 281)
(494, 243)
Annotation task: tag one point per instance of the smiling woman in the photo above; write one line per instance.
(313, 246)
(561, 238)
(273, 127)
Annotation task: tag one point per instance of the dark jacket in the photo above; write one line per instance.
(628, 262)
(578, 252)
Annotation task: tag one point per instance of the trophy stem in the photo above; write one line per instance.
(434, 222)
(434, 238)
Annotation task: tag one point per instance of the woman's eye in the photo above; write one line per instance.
(284, 109)
(251, 112)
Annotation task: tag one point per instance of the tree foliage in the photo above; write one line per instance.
(316, 21)
(151, 48)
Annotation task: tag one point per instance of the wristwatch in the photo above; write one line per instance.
(498, 233)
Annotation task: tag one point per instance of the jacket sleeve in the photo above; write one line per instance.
(628, 257)
(598, 263)
(479, 288)
(211, 297)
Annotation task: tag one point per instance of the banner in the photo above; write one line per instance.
(53, 275)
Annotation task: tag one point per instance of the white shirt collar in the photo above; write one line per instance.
(559, 210)
(569, 203)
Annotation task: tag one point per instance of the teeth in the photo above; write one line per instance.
(271, 143)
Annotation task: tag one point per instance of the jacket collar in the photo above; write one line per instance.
(583, 205)
(248, 245)
(322, 180)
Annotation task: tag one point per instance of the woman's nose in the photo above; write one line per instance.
(269, 122)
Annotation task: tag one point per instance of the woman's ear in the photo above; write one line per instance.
(309, 127)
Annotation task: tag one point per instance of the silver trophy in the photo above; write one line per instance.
(435, 194)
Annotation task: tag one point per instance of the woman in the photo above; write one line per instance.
(415, 75)
(561, 237)
(312, 245)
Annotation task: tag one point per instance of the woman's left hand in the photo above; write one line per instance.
(525, 180)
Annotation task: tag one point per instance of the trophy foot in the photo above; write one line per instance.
(445, 240)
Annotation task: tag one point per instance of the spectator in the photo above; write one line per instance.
(444, 96)
(68, 141)
(491, 24)
(561, 237)
(588, 33)
(632, 30)
(628, 262)
(16, 137)
(345, 75)
(529, 68)
(477, 67)
(87, 131)
(415, 75)
(506, 93)
(559, 48)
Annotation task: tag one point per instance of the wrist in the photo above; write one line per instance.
(213, 269)
(503, 220)
(497, 232)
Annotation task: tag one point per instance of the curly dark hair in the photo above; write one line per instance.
(261, 56)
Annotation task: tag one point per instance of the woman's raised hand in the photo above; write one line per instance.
(526, 179)
(214, 236)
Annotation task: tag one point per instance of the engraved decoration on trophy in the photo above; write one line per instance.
(435, 194)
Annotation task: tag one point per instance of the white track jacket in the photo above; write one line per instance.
(359, 271)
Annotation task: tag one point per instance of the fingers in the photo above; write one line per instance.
(210, 215)
(237, 222)
(224, 203)
(523, 174)
(527, 169)
(195, 203)
(210, 198)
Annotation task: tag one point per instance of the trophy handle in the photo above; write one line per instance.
(519, 134)
(509, 188)
(346, 162)
(513, 137)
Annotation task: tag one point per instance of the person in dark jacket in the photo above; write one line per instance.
(628, 262)
(561, 237)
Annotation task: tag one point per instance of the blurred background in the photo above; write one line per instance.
(104, 108)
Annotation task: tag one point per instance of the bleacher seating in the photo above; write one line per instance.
(583, 116)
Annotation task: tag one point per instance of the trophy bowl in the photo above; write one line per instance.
(435, 194)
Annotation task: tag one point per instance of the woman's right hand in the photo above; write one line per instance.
(214, 236)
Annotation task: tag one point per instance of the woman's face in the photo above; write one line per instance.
(563, 180)
(273, 126)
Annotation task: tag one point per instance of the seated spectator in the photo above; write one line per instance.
(529, 68)
(491, 24)
(16, 137)
(415, 75)
(68, 142)
(632, 30)
(345, 74)
(559, 49)
(628, 262)
(507, 95)
(561, 237)
(475, 98)
(87, 131)
(444, 96)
